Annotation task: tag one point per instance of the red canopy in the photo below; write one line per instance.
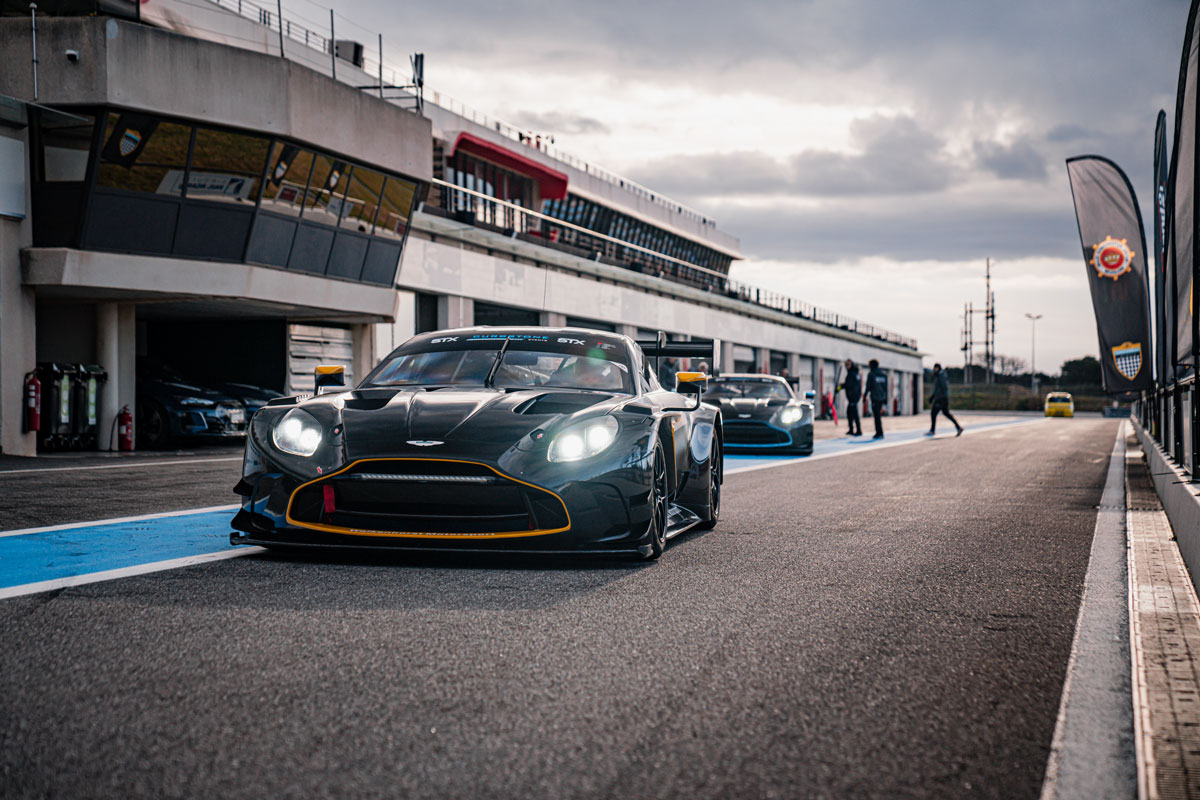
(552, 184)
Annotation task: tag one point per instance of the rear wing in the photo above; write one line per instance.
(662, 348)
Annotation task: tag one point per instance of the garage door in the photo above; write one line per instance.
(312, 345)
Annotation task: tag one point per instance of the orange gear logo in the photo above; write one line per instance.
(1112, 258)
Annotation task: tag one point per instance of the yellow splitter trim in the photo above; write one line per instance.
(418, 534)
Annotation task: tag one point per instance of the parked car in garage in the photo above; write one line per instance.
(172, 408)
(1060, 404)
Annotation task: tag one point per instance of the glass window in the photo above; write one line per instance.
(287, 180)
(395, 207)
(65, 151)
(326, 191)
(361, 200)
(226, 166)
(142, 154)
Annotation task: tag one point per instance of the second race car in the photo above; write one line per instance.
(501, 439)
(762, 414)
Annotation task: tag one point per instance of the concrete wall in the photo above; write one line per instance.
(17, 309)
(149, 69)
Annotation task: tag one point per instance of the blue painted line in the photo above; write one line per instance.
(66, 553)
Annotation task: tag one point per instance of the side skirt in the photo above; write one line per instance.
(680, 520)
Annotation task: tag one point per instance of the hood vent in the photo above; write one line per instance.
(560, 403)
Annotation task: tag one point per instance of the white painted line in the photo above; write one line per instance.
(1089, 754)
(124, 572)
(131, 465)
(1143, 735)
(118, 520)
(866, 447)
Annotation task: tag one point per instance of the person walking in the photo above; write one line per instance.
(877, 390)
(941, 401)
(852, 386)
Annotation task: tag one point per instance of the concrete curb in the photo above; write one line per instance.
(1180, 499)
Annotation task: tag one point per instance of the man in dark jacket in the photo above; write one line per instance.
(877, 390)
(852, 386)
(941, 401)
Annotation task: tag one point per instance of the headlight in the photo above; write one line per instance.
(583, 440)
(791, 415)
(297, 433)
(196, 402)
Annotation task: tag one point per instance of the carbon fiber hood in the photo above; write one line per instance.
(463, 423)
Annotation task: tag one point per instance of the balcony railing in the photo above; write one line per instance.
(484, 211)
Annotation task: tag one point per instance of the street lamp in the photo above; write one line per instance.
(1033, 318)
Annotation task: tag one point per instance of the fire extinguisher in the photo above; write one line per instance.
(125, 430)
(33, 403)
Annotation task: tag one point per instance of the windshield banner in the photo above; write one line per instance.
(1114, 254)
(1162, 314)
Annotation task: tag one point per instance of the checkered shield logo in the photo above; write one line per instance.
(129, 142)
(1128, 359)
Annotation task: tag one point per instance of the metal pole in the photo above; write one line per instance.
(381, 66)
(279, 6)
(33, 23)
(1033, 318)
(332, 46)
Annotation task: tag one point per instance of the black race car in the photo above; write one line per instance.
(762, 414)
(503, 439)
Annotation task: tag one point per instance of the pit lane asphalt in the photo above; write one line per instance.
(891, 623)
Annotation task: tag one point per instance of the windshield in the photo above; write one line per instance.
(527, 360)
(1059, 399)
(754, 389)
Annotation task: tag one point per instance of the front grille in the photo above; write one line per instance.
(754, 433)
(429, 497)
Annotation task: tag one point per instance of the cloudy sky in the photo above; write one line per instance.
(870, 154)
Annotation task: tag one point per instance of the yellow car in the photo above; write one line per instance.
(1060, 404)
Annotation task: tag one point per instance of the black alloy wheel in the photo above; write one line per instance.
(658, 504)
(153, 430)
(715, 473)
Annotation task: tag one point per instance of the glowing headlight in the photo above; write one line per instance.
(791, 415)
(297, 433)
(583, 440)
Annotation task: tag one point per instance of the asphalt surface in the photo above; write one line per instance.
(892, 623)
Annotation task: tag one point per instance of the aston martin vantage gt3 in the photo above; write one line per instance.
(762, 414)
(503, 439)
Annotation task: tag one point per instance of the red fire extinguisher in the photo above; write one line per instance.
(33, 403)
(125, 430)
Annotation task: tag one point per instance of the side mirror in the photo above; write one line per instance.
(810, 395)
(691, 382)
(329, 376)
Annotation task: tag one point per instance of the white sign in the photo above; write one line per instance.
(207, 184)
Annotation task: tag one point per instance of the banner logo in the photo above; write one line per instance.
(129, 142)
(1112, 258)
(1128, 359)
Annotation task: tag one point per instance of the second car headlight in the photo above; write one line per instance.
(791, 415)
(583, 440)
(297, 433)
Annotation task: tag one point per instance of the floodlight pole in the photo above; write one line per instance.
(1033, 318)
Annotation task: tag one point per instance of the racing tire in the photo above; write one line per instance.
(658, 503)
(716, 472)
(153, 429)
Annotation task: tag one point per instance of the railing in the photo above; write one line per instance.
(297, 31)
(481, 210)
(1171, 415)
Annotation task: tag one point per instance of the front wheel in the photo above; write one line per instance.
(658, 504)
(715, 474)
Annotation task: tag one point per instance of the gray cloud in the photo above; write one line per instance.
(941, 230)
(1016, 161)
(895, 157)
(558, 123)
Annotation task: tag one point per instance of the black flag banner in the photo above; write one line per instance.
(1114, 251)
(1181, 195)
(128, 138)
(1162, 315)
